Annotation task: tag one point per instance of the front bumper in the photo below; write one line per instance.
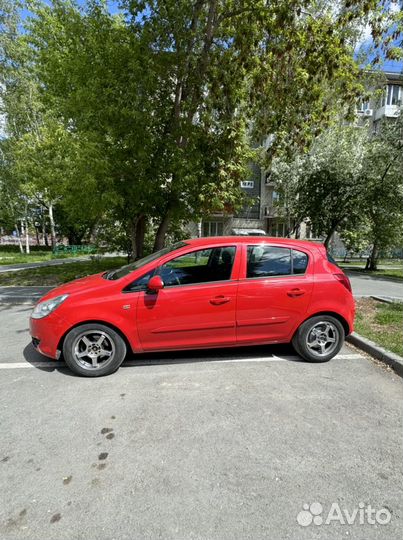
(46, 334)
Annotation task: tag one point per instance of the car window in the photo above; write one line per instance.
(201, 266)
(299, 262)
(140, 284)
(268, 261)
(125, 270)
(330, 259)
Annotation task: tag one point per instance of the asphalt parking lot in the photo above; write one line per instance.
(204, 445)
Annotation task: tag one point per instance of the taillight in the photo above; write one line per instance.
(344, 281)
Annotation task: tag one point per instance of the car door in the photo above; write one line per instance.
(274, 292)
(196, 307)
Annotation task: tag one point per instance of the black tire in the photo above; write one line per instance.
(310, 340)
(93, 350)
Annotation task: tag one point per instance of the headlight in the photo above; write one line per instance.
(44, 308)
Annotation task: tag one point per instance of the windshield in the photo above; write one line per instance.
(124, 270)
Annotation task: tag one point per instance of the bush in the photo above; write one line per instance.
(14, 248)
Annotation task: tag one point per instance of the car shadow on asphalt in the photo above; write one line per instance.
(260, 353)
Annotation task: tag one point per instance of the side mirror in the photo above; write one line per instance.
(155, 284)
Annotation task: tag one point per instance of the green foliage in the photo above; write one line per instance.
(126, 122)
(383, 172)
(357, 239)
(349, 182)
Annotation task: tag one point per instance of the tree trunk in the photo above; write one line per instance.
(140, 234)
(19, 238)
(44, 233)
(159, 242)
(136, 232)
(329, 237)
(27, 250)
(372, 262)
(52, 226)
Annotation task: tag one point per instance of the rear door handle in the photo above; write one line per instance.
(218, 300)
(295, 292)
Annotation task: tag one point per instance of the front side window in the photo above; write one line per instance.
(125, 270)
(270, 261)
(140, 284)
(202, 266)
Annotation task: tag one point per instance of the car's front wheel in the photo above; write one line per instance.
(319, 338)
(93, 350)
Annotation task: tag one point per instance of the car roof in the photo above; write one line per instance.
(251, 240)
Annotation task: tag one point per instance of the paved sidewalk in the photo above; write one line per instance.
(22, 295)
(375, 286)
(208, 445)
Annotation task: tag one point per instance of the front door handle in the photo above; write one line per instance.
(218, 300)
(296, 292)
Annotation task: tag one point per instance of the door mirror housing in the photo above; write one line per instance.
(155, 284)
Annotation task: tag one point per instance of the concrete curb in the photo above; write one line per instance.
(391, 359)
(387, 299)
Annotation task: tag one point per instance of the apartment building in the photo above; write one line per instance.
(376, 110)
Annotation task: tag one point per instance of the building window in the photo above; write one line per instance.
(248, 184)
(362, 106)
(213, 228)
(277, 228)
(393, 96)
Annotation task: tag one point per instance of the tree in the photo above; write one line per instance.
(383, 173)
(356, 239)
(56, 168)
(51, 164)
(326, 185)
(170, 92)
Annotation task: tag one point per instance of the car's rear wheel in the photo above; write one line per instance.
(319, 338)
(93, 350)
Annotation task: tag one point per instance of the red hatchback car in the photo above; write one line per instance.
(200, 293)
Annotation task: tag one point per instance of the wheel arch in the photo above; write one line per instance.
(129, 347)
(334, 314)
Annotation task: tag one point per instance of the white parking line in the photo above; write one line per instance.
(217, 360)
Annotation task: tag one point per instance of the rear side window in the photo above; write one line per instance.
(267, 261)
(299, 262)
(330, 259)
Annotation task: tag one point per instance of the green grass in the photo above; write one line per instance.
(381, 322)
(55, 275)
(395, 273)
(10, 257)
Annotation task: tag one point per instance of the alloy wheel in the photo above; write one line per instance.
(93, 349)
